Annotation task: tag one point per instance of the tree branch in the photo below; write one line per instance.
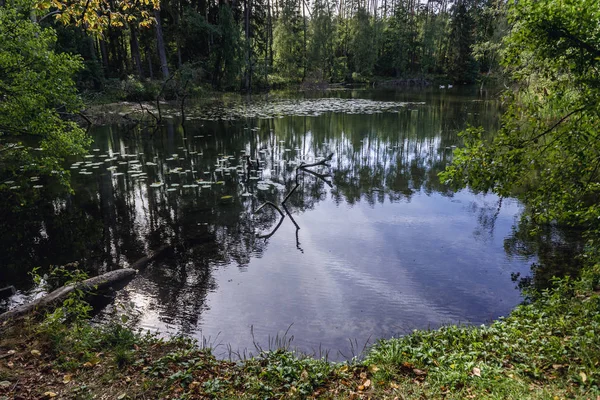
(560, 121)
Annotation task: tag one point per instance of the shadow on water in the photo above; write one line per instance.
(382, 246)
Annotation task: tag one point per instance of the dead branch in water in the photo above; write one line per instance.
(301, 168)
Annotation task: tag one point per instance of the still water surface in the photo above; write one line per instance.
(377, 245)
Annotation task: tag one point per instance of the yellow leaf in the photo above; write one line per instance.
(35, 353)
(367, 383)
(67, 378)
(50, 394)
(88, 365)
(344, 368)
(394, 385)
(374, 368)
(583, 376)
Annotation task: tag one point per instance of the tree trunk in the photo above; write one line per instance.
(304, 42)
(248, 68)
(104, 54)
(160, 44)
(148, 54)
(135, 53)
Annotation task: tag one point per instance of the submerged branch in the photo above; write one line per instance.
(299, 169)
(268, 203)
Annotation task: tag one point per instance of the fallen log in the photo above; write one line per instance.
(142, 262)
(7, 292)
(95, 284)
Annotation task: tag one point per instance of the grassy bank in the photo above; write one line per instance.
(549, 348)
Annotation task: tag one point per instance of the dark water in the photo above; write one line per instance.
(382, 246)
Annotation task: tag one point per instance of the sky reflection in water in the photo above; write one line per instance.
(387, 249)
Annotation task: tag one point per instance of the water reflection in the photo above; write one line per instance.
(383, 246)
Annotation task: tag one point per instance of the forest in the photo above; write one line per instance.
(262, 44)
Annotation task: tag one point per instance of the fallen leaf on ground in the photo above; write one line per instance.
(476, 371)
(367, 383)
(583, 376)
(419, 372)
(50, 394)
(35, 353)
(67, 378)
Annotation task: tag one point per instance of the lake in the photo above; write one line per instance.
(370, 243)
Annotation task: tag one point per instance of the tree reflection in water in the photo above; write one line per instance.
(206, 209)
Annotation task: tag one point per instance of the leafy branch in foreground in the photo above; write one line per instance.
(547, 152)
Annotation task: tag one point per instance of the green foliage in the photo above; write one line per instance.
(227, 62)
(320, 55)
(74, 308)
(287, 41)
(462, 67)
(362, 45)
(539, 341)
(547, 152)
(37, 91)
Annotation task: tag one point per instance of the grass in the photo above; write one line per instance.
(547, 349)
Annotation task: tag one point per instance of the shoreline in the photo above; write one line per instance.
(539, 351)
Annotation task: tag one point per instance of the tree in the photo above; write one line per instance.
(362, 46)
(547, 152)
(36, 91)
(228, 53)
(322, 30)
(287, 40)
(462, 67)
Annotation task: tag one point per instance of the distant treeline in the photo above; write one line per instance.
(239, 45)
